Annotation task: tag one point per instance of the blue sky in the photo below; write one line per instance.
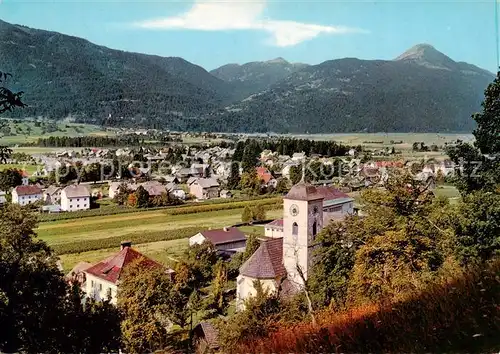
(212, 33)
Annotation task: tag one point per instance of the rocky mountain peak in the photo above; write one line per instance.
(426, 55)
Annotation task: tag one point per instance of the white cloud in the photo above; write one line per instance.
(216, 15)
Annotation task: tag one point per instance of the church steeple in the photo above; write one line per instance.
(302, 220)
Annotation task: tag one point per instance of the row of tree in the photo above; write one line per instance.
(140, 198)
(97, 141)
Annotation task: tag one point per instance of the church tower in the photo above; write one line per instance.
(302, 221)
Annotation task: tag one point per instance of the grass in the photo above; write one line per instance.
(166, 252)
(28, 168)
(65, 235)
(369, 139)
(64, 129)
(447, 191)
(58, 232)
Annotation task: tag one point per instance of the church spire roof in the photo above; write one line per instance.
(303, 191)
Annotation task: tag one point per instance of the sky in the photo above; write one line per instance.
(212, 33)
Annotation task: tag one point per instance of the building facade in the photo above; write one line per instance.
(75, 197)
(24, 195)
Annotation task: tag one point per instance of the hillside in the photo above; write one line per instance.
(422, 90)
(256, 76)
(69, 76)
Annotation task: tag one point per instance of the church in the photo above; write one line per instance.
(306, 209)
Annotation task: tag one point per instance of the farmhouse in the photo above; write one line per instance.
(24, 195)
(306, 209)
(204, 188)
(176, 191)
(228, 239)
(265, 177)
(52, 195)
(75, 197)
(103, 279)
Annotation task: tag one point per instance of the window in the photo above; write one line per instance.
(77, 199)
(108, 292)
(84, 205)
(315, 229)
(78, 205)
(295, 229)
(100, 287)
(91, 283)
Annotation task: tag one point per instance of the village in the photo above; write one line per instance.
(281, 201)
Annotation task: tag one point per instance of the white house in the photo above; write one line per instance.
(102, 279)
(176, 191)
(24, 195)
(75, 197)
(52, 195)
(299, 156)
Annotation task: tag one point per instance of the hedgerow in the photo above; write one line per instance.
(170, 210)
(110, 242)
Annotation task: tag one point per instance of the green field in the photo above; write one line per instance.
(28, 168)
(448, 191)
(97, 228)
(368, 139)
(26, 131)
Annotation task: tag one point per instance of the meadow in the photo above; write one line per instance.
(24, 167)
(169, 232)
(24, 131)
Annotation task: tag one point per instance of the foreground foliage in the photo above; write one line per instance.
(39, 311)
(461, 315)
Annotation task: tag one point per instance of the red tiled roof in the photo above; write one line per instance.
(221, 236)
(330, 193)
(264, 174)
(27, 190)
(266, 262)
(111, 268)
(389, 163)
(276, 223)
(24, 173)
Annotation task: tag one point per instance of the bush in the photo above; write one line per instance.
(461, 315)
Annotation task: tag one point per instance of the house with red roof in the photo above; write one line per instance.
(227, 239)
(103, 278)
(265, 177)
(24, 195)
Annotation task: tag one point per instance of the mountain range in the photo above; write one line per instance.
(69, 77)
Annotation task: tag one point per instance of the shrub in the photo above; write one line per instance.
(461, 315)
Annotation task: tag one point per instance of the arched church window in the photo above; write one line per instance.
(315, 228)
(295, 229)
